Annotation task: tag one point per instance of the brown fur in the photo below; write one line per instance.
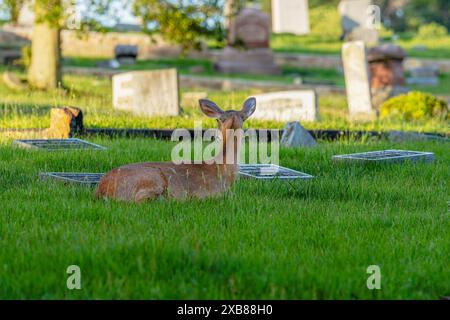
(148, 181)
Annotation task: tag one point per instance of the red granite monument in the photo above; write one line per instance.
(248, 49)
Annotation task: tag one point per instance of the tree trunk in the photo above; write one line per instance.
(45, 69)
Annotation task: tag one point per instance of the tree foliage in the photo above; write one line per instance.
(182, 22)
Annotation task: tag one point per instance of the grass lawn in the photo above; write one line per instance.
(30, 109)
(314, 43)
(262, 240)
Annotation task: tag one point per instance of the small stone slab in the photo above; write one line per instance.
(88, 179)
(295, 136)
(385, 156)
(270, 172)
(57, 144)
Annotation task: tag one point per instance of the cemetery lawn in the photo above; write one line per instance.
(31, 109)
(311, 240)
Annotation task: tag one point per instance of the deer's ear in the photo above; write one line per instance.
(210, 108)
(249, 108)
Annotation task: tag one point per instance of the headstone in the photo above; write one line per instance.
(294, 135)
(402, 136)
(356, 71)
(86, 179)
(287, 106)
(426, 75)
(65, 123)
(250, 29)
(387, 77)
(356, 21)
(270, 172)
(290, 16)
(57, 144)
(147, 93)
(248, 48)
(126, 54)
(387, 156)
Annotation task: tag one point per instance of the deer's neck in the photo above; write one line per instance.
(231, 148)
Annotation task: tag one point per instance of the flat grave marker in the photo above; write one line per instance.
(387, 156)
(88, 179)
(57, 144)
(270, 172)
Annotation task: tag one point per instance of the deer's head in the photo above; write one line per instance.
(230, 119)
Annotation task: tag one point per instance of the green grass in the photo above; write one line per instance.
(30, 109)
(261, 240)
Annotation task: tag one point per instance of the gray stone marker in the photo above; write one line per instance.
(387, 156)
(356, 19)
(271, 172)
(427, 75)
(126, 54)
(57, 144)
(290, 16)
(402, 136)
(147, 93)
(294, 135)
(86, 179)
(287, 106)
(357, 83)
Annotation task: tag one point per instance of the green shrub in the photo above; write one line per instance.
(431, 31)
(414, 106)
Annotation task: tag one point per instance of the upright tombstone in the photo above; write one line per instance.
(248, 48)
(126, 54)
(147, 93)
(357, 85)
(290, 16)
(357, 21)
(287, 106)
(387, 78)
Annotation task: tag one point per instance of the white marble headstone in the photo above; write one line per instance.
(147, 93)
(287, 106)
(290, 16)
(357, 85)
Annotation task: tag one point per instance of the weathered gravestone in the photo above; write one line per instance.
(294, 135)
(357, 21)
(147, 93)
(287, 106)
(126, 54)
(387, 77)
(356, 71)
(248, 45)
(290, 16)
(426, 75)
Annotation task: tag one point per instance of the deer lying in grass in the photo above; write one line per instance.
(146, 181)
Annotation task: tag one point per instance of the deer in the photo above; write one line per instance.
(141, 182)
